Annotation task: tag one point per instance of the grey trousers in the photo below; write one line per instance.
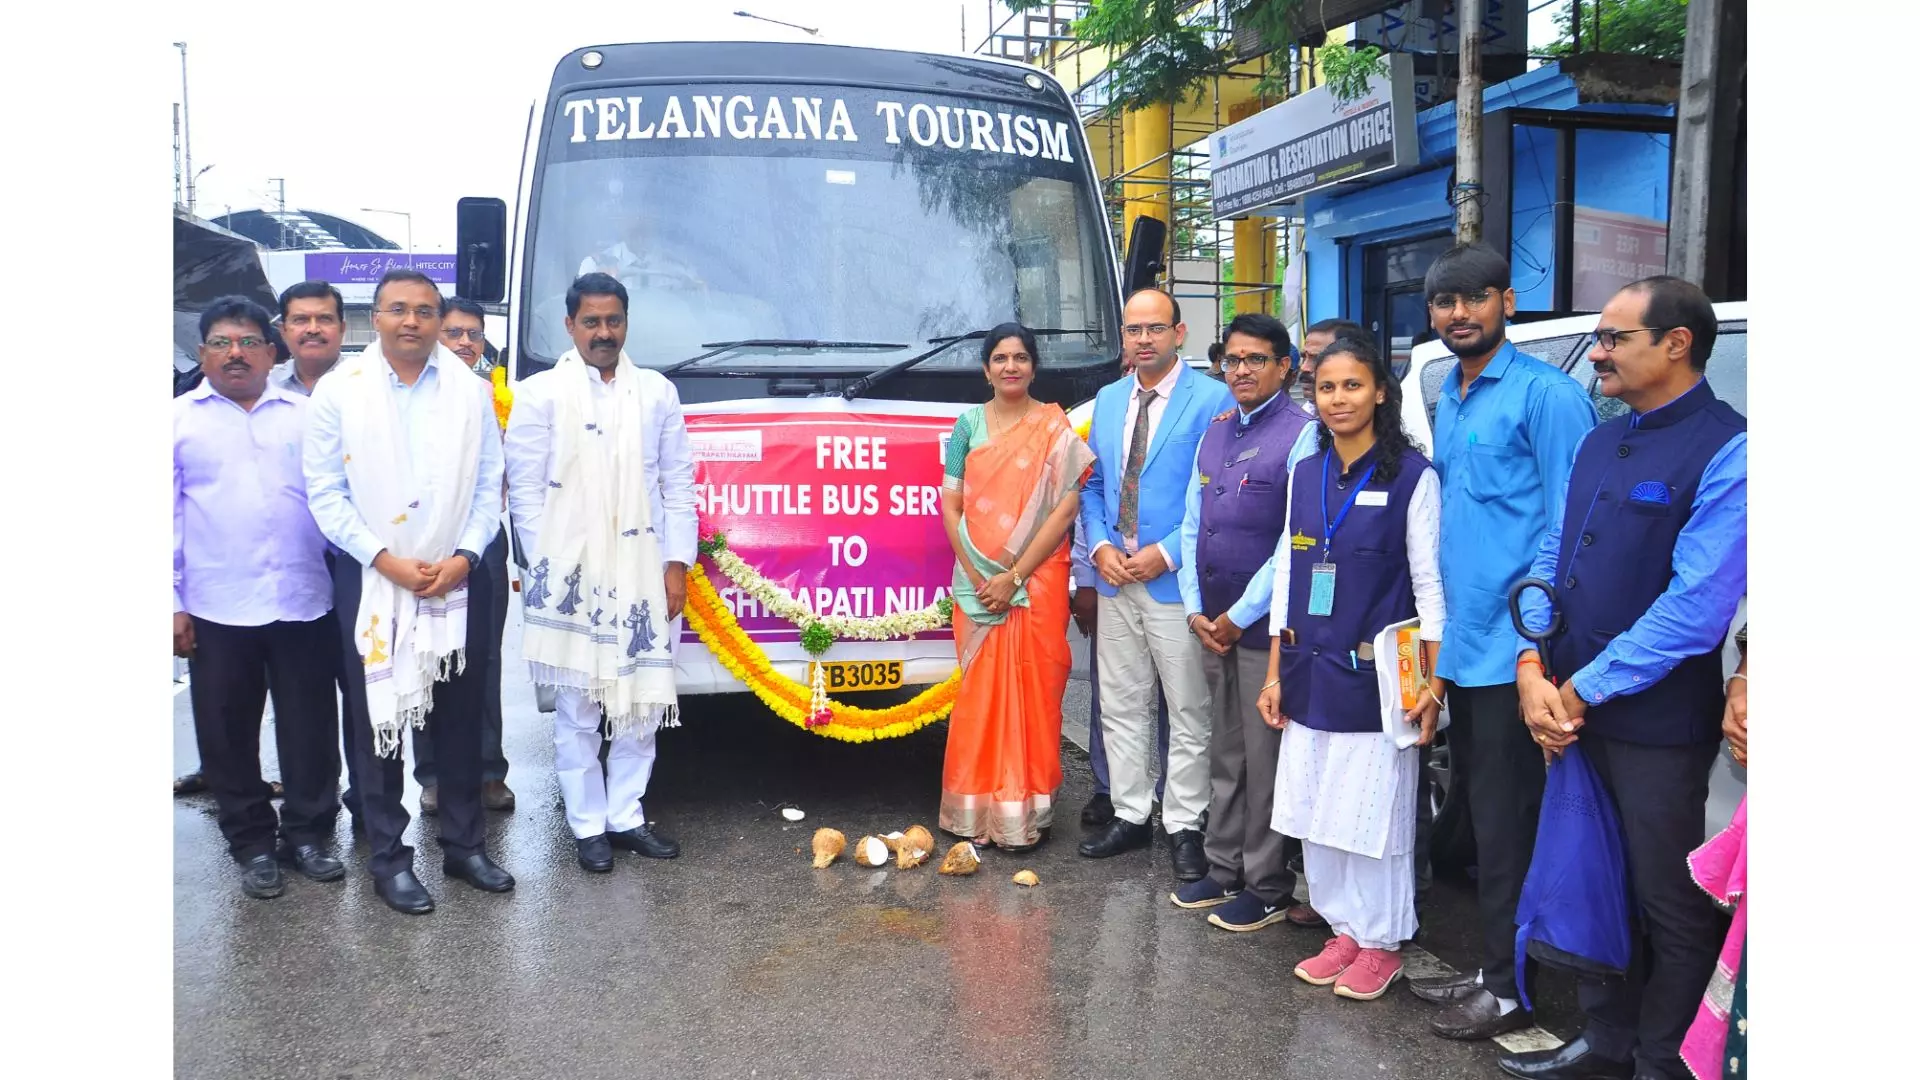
(1243, 756)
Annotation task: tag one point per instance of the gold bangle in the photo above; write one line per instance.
(1271, 685)
(1435, 697)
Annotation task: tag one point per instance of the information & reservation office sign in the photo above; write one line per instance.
(1313, 141)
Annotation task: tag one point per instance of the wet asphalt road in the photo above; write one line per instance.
(740, 960)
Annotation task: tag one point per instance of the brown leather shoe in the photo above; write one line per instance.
(1304, 915)
(496, 795)
(429, 800)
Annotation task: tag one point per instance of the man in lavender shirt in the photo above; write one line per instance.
(253, 603)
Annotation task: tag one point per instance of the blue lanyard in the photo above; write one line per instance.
(1333, 524)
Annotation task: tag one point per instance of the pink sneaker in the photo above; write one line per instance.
(1369, 976)
(1338, 955)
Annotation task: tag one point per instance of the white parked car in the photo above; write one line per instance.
(1565, 343)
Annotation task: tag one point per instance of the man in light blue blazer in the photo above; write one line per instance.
(1146, 431)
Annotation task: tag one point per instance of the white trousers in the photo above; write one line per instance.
(596, 803)
(1369, 900)
(1140, 637)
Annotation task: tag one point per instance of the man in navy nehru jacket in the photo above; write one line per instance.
(1649, 563)
(1236, 511)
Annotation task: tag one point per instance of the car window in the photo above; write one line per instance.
(1726, 371)
(1432, 374)
(1558, 351)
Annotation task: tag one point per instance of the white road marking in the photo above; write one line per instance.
(1418, 963)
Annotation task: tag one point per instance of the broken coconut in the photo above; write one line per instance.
(870, 851)
(961, 859)
(1026, 877)
(827, 846)
(914, 848)
(892, 840)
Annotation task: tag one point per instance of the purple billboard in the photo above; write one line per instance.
(367, 267)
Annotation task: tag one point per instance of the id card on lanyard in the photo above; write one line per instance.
(1320, 587)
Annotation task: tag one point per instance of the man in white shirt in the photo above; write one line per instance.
(403, 467)
(600, 483)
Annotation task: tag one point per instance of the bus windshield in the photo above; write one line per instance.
(834, 214)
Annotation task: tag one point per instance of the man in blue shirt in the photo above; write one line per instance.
(1648, 563)
(1504, 437)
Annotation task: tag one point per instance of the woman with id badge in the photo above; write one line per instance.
(1360, 553)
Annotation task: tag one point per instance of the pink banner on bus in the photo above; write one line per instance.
(840, 509)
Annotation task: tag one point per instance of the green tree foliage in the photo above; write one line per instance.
(1656, 28)
(1167, 48)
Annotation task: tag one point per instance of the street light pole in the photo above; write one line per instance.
(400, 213)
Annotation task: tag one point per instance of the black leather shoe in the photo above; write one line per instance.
(1099, 811)
(1446, 991)
(1477, 1016)
(1576, 1060)
(596, 855)
(260, 878)
(1117, 836)
(311, 861)
(404, 893)
(1189, 855)
(644, 841)
(478, 871)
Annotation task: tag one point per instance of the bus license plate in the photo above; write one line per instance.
(842, 675)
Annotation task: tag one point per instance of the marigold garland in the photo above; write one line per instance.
(502, 395)
(792, 700)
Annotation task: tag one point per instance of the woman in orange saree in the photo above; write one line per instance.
(1014, 469)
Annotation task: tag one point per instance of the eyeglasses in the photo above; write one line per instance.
(1149, 330)
(1252, 361)
(423, 313)
(455, 333)
(311, 320)
(223, 344)
(1610, 338)
(1448, 301)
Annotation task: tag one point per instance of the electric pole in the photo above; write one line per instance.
(280, 184)
(179, 188)
(186, 121)
(1466, 182)
(1701, 237)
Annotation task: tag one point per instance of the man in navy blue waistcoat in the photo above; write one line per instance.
(1649, 563)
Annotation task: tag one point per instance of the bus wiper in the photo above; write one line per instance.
(941, 344)
(716, 348)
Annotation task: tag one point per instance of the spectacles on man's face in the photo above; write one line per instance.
(300, 322)
(226, 344)
(1610, 338)
(1475, 301)
(422, 313)
(1252, 361)
(1138, 330)
(455, 333)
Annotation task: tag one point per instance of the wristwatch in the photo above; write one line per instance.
(1018, 580)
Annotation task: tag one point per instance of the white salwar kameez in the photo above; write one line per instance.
(1349, 796)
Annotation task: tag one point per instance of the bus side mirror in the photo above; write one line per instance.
(1146, 254)
(482, 250)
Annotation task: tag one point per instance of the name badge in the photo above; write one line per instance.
(1320, 590)
(1371, 498)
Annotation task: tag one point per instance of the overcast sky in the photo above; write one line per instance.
(335, 98)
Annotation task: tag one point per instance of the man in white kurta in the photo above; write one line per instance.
(600, 485)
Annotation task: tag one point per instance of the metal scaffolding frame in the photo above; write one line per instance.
(1046, 40)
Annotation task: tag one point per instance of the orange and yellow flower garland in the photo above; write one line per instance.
(502, 395)
(790, 700)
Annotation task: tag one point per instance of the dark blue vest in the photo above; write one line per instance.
(1322, 684)
(1243, 507)
(1616, 558)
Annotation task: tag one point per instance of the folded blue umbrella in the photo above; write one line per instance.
(1574, 905)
